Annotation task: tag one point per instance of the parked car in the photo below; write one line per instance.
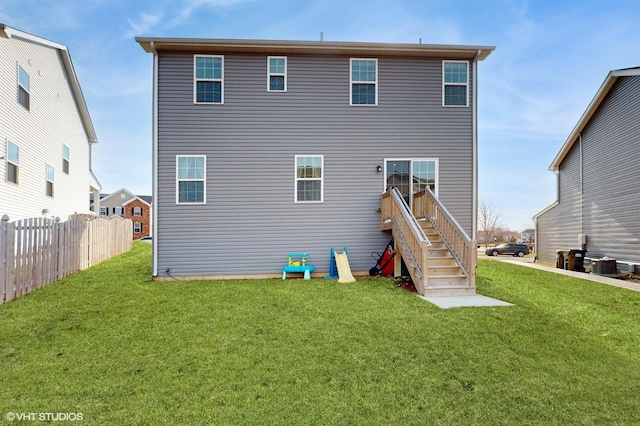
(146, 239)
(508, 248)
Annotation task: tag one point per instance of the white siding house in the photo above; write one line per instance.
(46, 132)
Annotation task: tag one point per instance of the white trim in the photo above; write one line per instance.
(120, 191)
(296, 179)
(50, 181)
(276, 74)
(203, 180)
(196, 80)
(474, 136)
(22, 86)
(466, 84)
(73, 78)
(66, 159)
(352, 82)
(16, 165)
(154, 165)
(136, 198)
(593, 106)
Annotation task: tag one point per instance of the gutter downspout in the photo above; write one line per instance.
(584, 246)
(474, 124)
(154, 183)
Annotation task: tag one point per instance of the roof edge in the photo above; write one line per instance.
(73, 78)
(591, 109)
(153, 44)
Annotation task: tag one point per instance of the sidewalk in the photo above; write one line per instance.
(591, 277)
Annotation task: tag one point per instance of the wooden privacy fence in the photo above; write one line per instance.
(36, 252)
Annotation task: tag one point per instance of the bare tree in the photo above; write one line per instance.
(489, 217)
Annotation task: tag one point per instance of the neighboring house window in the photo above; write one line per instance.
(309, 178)
(209, 79)
(50, 180)
(137, 211)
(190, 179)
(65, 159)
(277, 81)
(103, 211)
(24, 87)
(364, 82)
(118, 210)
(455, 83)
(13, 162)
(137, 227)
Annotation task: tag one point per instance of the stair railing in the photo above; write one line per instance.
(427, 206)
(410, 239)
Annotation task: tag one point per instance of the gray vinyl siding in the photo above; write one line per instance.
(250, 221)
(559, 228)
(611, 174)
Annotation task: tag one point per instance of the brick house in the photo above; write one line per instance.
(130, 206)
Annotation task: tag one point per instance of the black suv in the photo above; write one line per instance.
(507, 248)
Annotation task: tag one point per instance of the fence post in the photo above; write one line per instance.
(7, 242)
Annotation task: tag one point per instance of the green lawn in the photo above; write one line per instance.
(120, 349)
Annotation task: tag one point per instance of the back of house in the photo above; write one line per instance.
(598, 202)
(262, 148)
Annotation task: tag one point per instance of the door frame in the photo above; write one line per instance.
(411, 160)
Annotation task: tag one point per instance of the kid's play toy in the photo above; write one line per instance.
(339, 267)
(298, 263)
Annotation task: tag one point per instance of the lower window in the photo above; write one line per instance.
(50, 180)
(309, 178)
(190, 179)
(137, 227)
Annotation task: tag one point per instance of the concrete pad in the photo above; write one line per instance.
(446, 302)
(629, 285)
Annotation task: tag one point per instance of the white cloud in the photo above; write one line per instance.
(145, 23)
(191, 6)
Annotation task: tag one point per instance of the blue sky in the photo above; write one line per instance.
(550, 59)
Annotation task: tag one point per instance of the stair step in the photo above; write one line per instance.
(444, 270)
(442, 261)
(440, 281)
(452, 291)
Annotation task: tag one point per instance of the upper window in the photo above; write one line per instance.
(277, 78)
(455, 83)
(209, 79)
(190, 177)
(13, 162)
(137, 211)
(364, 82)
(65, 159)
(24, 83)
(103, 211)
(119, 211)
(50, 180)
(309, 178)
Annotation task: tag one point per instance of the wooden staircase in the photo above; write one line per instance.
(439, 255)
(444, 276)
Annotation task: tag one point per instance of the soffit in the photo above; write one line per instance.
(274, 47)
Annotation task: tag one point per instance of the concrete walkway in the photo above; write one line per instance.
(479, 300)
(585, 276)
